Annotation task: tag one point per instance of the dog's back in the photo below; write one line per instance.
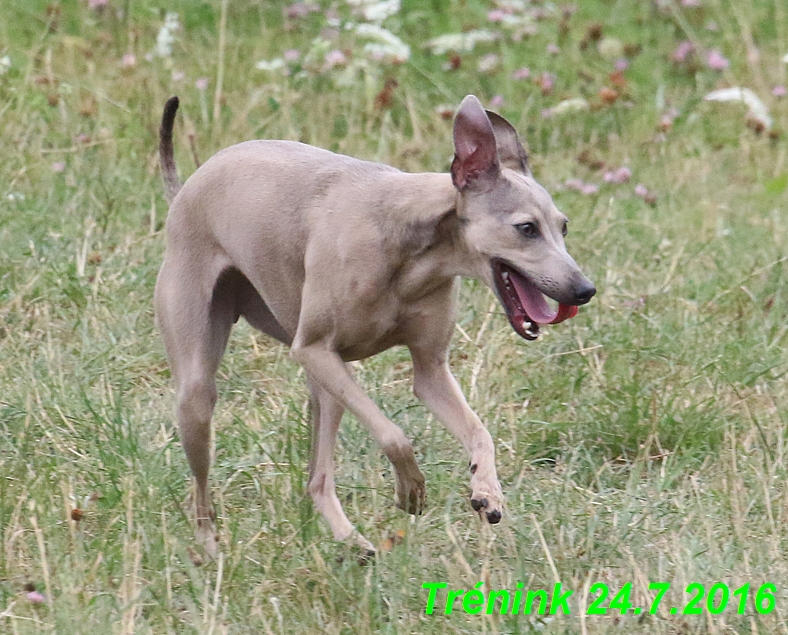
(264, 199)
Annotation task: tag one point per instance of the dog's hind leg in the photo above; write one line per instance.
(326, 367)
(195, 314)
(326, 416)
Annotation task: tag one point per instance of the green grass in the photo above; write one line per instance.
(643, 441)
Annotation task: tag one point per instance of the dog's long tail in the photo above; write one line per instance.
(172, 184)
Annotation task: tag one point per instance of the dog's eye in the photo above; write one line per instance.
(565, 228)
(528, 229)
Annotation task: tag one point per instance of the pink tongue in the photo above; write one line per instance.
(536, 306)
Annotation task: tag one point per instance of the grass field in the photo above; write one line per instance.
(643, 441)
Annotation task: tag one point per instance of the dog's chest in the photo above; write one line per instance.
(372, 327)
(369, 328)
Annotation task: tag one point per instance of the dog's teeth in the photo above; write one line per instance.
(531, 329)
(505, 275)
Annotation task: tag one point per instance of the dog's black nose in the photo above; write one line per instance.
(585, 292)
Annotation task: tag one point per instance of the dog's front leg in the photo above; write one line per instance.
(437, 388)
(327, 368)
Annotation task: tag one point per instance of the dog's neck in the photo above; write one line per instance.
(422, 220)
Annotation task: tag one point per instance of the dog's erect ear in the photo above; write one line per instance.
(475, 154)
(511, 153)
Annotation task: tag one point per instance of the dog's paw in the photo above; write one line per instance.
(363, 549)
(208, 539)
(487, 500)
(410, 491)
(356, 547)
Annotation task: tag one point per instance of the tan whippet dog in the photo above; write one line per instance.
(341, 259)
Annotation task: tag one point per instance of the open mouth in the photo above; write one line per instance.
(525, 305)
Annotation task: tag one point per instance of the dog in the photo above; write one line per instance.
(341, 259)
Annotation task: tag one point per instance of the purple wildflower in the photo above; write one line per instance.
(682, 51)
(582, 187)
(300, 9)
(622, 175)
(35, 597)
(335, 58)
(717, 61)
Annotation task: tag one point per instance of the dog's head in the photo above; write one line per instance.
(511, 225)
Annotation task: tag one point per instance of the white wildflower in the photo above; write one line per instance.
(271, 66)
(513, 20)
(459, 42)
(348, 75)
(758, 109)
(315, 56)
(5, 64)
(488, 63)
(376, 10)
(165, 38)
(383, 44)
(576, 104)
(511, 6)
(610, 48)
